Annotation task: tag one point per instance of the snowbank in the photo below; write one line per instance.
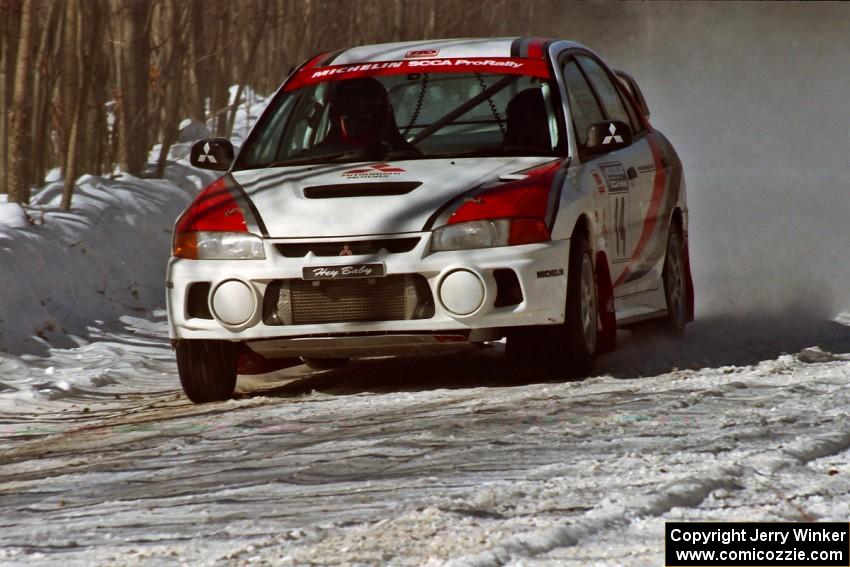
(61, 271)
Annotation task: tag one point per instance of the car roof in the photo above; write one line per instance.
(534, 47)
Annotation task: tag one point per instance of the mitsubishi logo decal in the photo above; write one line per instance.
(613, 137)
(206, 156)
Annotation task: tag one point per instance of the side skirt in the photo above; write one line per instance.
(640, 307)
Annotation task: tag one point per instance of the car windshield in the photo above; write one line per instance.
(406, 116)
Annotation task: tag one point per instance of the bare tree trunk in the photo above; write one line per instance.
(278, 60)
(249, 65)
(83, 60)
(173, 83)
(134, 53)
(9, 20)
(70, 84)
(20, 150)
(221, 95)
(95, 134)
(113, 62)
(198, 62)
(46, 71)
(398, 20)
(71, 91)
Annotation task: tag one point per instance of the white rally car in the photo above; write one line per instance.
(410, 197)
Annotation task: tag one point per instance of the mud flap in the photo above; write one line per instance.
(605, 297)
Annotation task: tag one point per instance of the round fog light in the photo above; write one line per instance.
(233, 302)
(462, 292)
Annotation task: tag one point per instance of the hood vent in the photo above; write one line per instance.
(342, 190)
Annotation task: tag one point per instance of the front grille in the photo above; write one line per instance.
(356, 247)
(392, 298)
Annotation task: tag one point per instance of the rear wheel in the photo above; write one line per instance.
(675, 290)
(324, 363)
(207, 369)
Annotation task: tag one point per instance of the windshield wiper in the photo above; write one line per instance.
(322, 158)
(350, 155)
(402, 154)
(476, 152)
(520, 150)
(495, 151)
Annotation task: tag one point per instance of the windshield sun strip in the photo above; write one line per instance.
(488, 65)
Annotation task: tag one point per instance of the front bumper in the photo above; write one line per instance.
(541, 271)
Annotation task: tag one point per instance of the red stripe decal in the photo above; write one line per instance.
(315, 60)
(525, 198)
(651, 218)
(535, 48)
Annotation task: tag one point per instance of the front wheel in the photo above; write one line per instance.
(207, 369)
(582, 314)
(569, 348)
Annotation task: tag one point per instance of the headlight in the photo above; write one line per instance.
(489, 233)
(474, 234)
(202, 245)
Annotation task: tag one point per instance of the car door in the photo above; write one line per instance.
(629, 175)
(609, 173)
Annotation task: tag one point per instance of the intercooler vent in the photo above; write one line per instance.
(197, 301)
(391, 245)
(392, 298)
(508, 290)
(340, 190)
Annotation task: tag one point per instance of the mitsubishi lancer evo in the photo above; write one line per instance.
(425, 196)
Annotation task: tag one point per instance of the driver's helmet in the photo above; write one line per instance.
(361, 109)
(528, 121)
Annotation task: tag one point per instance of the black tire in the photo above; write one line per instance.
(581, 327)
(569, 348)
(675, 285)
(324, 363)
(523, 343)
(207, 369)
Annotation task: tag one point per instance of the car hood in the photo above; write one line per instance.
(354, 199)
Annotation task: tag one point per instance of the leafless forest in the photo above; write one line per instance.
(90, 84)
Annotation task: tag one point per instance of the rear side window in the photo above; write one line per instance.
(583, 106)
(608, 93)
(632, 98)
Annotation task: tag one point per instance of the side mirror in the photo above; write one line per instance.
(608, 136)
(212, 153)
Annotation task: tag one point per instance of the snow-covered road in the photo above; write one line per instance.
(460, 459)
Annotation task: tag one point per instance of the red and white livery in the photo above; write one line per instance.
(399, 198)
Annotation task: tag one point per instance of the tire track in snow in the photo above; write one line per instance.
(689, 493)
